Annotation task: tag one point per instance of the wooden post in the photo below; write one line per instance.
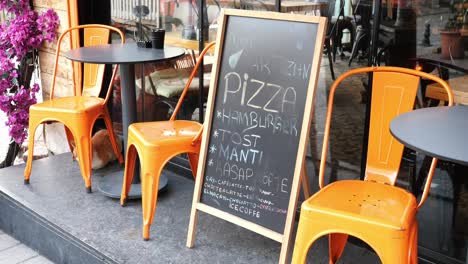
(305, 182)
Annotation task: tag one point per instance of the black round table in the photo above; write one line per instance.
(127, 55)
(440, 132)
(460, 65)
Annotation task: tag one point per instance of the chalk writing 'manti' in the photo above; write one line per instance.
(244, 155)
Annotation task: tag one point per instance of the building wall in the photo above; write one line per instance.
(64, 81)
(54, 134)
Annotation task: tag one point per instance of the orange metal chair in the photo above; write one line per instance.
(373, 210)
(156, 143)
(78, 112)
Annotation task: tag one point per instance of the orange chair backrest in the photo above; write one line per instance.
(393, 93)
(187, 85)
(189, 81)
(90, 82)
(93, 74)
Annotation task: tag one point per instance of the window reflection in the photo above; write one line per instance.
(412, 34)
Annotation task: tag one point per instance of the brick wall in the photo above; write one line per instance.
(64, 82)
(54, 134)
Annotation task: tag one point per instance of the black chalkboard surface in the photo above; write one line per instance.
(262, 88)
(258, 117)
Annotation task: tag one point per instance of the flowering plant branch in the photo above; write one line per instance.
(21, 35)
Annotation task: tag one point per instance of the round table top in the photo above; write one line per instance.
(127, 53)
(440, 132)
(456, 64)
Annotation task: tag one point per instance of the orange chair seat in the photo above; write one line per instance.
(155, 143)
(79, 112)
(373, 210)
(71, 104)
(364, 201)
(165, 133)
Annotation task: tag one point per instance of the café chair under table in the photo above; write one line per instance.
(78, 112)
(373, 210)
(156, 143)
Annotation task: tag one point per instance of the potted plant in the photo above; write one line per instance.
(21, 34)
(451, 41)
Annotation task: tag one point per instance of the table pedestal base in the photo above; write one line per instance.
(111, 186)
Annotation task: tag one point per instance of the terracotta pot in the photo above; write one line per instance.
(451, 43)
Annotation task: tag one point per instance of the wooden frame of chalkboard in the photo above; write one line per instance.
(253, 148)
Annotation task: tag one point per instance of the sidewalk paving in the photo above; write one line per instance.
(11, 250)
(14, 252)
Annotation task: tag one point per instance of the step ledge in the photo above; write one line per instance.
(31, 229)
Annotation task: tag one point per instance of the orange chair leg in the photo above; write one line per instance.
(130, 159)
(84, 151)
(390, 249)
(307, 233)
(336, 245)
(193, 159)
(396, 254)
(300, 246)
(112, 137)
(71, 141)
(32, 131)
(413, 251)
(149, 189)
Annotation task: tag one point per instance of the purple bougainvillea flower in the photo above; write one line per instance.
(24, 31)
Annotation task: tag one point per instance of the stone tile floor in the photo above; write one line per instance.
(344, 160)
(14, 252)
(11, 250)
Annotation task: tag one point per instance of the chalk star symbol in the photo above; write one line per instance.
(213, 149)
(218, 114)
(210, 162)
(215, 134)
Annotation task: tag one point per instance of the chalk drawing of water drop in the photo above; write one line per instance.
(234, 59)
(300, 45)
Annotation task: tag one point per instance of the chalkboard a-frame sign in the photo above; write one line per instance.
(258, 118)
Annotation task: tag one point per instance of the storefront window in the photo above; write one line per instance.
(429, 35)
